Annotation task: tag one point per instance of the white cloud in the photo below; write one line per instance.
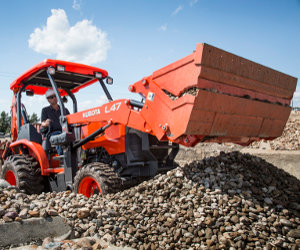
(76, 4)
(34, 104)
(175, 12)
(193, 2)
(83, 42)
(87, 104)
(163, 27)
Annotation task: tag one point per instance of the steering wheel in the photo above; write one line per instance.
(46, 130)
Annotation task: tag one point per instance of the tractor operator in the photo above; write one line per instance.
(50, 118)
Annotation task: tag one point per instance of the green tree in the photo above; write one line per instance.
(5, 122)
(33, 118)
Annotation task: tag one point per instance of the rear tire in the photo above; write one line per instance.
(96, 178)
(24, 172)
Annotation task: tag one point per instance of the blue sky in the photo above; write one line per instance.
(131, 39)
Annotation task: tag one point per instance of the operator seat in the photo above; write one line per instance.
(29, 132)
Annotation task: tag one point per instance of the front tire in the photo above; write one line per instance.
(24, 172)
(96, 178)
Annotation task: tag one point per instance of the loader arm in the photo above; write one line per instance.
(115, 112)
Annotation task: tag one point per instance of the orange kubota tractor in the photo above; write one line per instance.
(208, 96)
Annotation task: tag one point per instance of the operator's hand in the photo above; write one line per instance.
(46, 123)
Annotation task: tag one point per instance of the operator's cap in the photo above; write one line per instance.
(49, 92)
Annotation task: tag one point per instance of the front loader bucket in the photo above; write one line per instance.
(213, 95)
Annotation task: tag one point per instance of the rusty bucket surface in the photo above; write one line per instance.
(213, 95)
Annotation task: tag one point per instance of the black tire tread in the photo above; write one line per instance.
(28, 173)
(107, 179)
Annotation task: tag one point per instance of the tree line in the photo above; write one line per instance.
(5, 121)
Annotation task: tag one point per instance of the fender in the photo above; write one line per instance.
(36, 150)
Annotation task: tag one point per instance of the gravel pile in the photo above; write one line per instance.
(290, 139)
(232, 200)
(191, 91)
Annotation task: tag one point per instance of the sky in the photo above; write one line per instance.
(131, 39)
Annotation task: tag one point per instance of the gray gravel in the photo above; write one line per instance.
(230, 201)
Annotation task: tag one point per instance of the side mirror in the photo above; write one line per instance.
(29, 92)
(109, 80)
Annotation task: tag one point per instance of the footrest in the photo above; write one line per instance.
(58, 158)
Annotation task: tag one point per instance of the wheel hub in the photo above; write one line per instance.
(10, 178)
(89, 186)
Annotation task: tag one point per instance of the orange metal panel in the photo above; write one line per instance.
(136, 121)
(200, 122)
(36, 150)
(245, 83)
(271, 128)
(238, 92)
(209, 116)
(233, 116)
(227, 69)
(223, 61)
(108, 112)
(177, 77)
(235, 125)
(49, 171)
(113, 139)
(210, 101)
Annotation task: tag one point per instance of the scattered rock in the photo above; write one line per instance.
(34, 213)
(52, 212)
(11, 215)
(83, 213)
(285, 222)
(294, 233)
(218, 202)
(4, 184)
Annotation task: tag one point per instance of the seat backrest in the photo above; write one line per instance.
(28, 131)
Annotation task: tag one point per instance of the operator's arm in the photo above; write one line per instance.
(44, 118)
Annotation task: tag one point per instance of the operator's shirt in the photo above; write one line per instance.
(52, 114)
